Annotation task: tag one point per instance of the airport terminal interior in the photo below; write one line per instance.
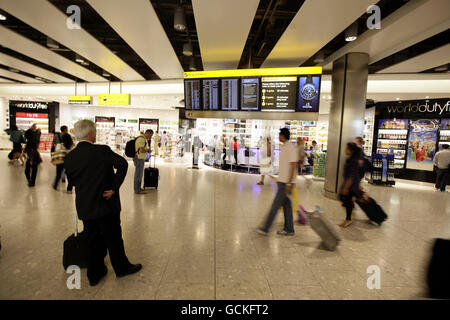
(203, 92)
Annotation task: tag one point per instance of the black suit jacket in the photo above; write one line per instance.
(90, 168)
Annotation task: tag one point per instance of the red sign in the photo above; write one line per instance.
(31, 115)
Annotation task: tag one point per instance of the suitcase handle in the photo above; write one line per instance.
(76, 224)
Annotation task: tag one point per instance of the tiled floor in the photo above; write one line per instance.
(195, 238)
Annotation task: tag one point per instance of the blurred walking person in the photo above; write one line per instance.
(350, 187)
(16, 137)
(62, 141)
(442, 163)
(164, 140)
(32, 137)
(287, 174)
(266, 160)
(97, 174)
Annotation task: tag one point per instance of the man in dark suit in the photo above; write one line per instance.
(90, 168)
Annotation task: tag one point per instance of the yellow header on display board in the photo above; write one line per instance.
(279, 79)
(80, 99)
(252, 72)
(111, 99)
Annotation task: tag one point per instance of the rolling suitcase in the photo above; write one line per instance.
(151, 177)
(325, 230)
(438, 276)
(372, 209)
(76, 249)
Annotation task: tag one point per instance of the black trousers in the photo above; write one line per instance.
(441, 179)
(105, 234)
(348, 203)
(59, 170)
(235, 156)
(31, 172)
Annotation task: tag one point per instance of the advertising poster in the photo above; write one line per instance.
(422, 144)
(393, 124)
(309, 93)
(445, 124)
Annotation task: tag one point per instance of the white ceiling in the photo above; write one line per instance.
(5, 81)
(428, 60)
(222, 30)
(415, 21)
(16, 42)
(43, 16)
(16, 76)
(142, 31)
(30, 68)
(316, 23)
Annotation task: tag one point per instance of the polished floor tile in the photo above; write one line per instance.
(196, 239)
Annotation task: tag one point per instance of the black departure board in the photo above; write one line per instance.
(250, 94)
(211, 94)
(279, 94)
(192, 94)
(230, 94)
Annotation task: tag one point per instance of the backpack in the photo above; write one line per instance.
(130, 148)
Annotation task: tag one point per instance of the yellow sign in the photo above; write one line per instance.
(279, 79)
(114, 99)
(79, 99)
(253, 72)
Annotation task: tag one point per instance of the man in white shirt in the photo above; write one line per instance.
(442, 163)
(315, 146)
(287, 175)
(163, 144)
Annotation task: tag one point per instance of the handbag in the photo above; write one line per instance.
(59, 154)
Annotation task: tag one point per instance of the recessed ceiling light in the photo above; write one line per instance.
(179, 20)
(397, 99)
(442, 68)
(351, 34)
(187, 49)
(106, 74)
(2, 17)
(427, 97)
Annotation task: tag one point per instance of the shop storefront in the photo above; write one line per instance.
(24, 114)
(411, 132)
(118, 124)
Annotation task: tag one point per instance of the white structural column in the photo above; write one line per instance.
(346, 119)
(222, 30)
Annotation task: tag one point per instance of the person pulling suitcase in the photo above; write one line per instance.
(142, 148)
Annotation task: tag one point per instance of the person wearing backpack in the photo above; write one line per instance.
(141, 149)
(65, 142)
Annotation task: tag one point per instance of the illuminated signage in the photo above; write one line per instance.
(114, 99)
(29, 105)
(79, 100)
(253, 72)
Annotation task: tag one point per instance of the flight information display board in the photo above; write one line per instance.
(278, 94)
(192, 94)
(250, 94)
(211, 94)
(230, 94)
(258, 90)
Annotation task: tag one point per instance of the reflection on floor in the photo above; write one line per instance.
(195, 238)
